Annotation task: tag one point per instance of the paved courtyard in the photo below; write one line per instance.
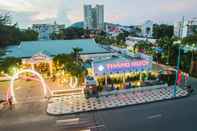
(78, 103)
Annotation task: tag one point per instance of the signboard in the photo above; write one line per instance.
(101, 69)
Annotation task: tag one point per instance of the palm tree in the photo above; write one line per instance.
(166, 43)
(76, 52)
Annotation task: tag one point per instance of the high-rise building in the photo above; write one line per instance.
(147, 28)
(100, 16)
(88, 19)
(185, 28)
(94, 17)
(178, 29)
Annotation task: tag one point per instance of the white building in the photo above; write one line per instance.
(94, 17)
(99, 17)
(132, 41)
(185, 28)
(45, 30)
(178, 29)
(147, 29)
(88, 19)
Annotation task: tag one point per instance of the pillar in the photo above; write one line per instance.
(51, 68)
(106, 81)
(32, 66)
(123, 79)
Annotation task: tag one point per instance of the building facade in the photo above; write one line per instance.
(45, 30)
(185, 28)
(178, 29)
(147, 29)
(94, 17)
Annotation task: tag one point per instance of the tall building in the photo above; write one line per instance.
(94, 17)
(185, 28)
(178, 29)
(100, 16)
(147, 28)
(88, 19)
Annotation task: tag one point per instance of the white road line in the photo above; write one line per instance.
(68, 121)
(154, 116)
(94, 127)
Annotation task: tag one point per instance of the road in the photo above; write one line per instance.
(173, 115)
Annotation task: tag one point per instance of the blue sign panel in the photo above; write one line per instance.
(101, 69)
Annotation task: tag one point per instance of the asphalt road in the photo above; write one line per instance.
(173, 115)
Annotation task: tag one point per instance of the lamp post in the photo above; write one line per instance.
(177, 70)
(192, 58)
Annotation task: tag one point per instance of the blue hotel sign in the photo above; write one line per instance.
(101, 69)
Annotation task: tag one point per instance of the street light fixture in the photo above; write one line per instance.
(188, 48)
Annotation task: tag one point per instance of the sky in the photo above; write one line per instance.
(126, 12)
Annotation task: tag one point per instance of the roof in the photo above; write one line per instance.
(54, 47)
(115, 59)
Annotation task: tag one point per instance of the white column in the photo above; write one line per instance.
(32, 66)
(51, 68)
(123, 80)
(106, 81)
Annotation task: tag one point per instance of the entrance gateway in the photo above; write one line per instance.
(11, 88)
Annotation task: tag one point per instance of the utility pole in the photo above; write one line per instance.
(177, 71)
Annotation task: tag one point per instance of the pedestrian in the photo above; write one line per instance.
(10, 102)
(189, 89)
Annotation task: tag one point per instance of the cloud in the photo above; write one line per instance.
(40, 16)
(27, 12)
(178, 6)
(17, 6)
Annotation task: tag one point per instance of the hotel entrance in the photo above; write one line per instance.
(122, 72)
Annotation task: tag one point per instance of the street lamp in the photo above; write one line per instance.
(178, 63)
(177, 70)
(193, 49)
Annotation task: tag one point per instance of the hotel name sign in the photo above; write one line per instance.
(127, 64)
(121, 67)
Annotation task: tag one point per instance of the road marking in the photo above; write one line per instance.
(68, 121)
(154, 116)
(94, 127)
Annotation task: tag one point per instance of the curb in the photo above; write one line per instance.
(118, 107)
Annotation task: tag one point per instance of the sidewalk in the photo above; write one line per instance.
(77, 104)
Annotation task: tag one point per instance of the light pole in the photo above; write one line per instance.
(191, 64)
(177, 70)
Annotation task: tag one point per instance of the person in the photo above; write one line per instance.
(10, 102)
(189, 89)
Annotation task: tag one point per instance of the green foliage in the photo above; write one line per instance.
(8, 63)
(190, 40)
(145, 46)
(117, 41)
(11, 34)
(163, 30)
(71, 33)
(68, 63)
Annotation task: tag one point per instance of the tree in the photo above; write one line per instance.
(5, 19)
(163, 30)
(190, 40)
(166, 44)
(68, 63)
(76, 52)
(8, 64)
(11, 34)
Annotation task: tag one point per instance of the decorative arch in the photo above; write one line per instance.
(11, 88)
